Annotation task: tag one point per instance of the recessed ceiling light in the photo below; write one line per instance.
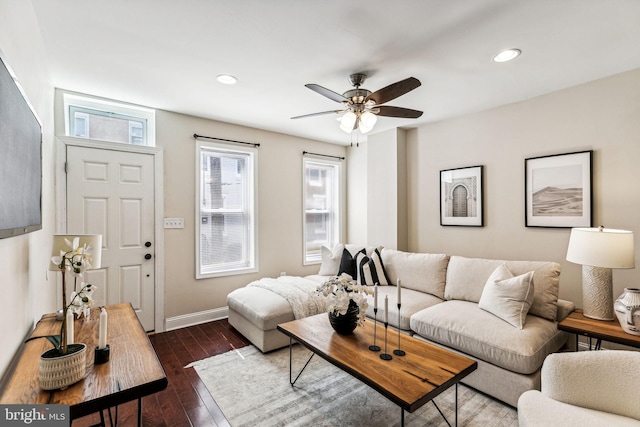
(227, 79)
(507, 55)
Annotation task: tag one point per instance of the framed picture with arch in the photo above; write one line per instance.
(461, 200)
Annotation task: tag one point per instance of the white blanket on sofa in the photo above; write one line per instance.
(299, 293)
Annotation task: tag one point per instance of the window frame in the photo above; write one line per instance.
(102, 107)
(338, 202)
(252, 200)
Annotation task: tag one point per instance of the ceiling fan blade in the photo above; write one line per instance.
(406, 113)
(394, 90)
(317, 114)
(326, 92)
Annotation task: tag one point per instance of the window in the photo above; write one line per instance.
(108, 121)
(226, 231)
(321, 207)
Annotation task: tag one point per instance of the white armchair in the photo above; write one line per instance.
(588, 388)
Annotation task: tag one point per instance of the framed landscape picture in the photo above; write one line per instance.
(461, 197)
(558, 190)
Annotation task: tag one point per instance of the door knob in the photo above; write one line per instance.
(147, 244)
(147, 256)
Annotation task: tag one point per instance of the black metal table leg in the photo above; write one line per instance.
(292, 382)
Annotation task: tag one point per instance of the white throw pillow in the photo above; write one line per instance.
(508, 298)
(330, 260)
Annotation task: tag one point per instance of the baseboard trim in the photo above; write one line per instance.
(192, 319)
(584, 346)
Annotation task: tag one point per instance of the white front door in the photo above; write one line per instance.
(111, 193)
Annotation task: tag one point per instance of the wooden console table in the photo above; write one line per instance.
(132, 372)
(611, 331)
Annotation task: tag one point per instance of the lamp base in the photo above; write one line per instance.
(597, 293)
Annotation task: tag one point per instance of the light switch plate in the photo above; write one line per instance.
(174, 223)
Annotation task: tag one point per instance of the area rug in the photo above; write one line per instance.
(252, 389)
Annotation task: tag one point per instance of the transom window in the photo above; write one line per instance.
(226, 231)
(321, 207)
(93, 118)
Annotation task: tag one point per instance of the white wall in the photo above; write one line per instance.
(357, 195)
(26, 291)
(603, 116)
(279, 208)
(386, 207)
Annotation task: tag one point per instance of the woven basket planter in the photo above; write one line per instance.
(62, 371)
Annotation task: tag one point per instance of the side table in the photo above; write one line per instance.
(577, 323)
(132, 372)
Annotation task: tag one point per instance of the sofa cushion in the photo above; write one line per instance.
(361, 261)
(418, 271)
(464, 326)
(373, 271)
(348, 263)
(466, 278)
(412, 302)
(508, 297)
(331, 257)
(330, 260)
(263, 308)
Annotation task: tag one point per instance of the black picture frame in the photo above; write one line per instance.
(461, 196)
(559, 190)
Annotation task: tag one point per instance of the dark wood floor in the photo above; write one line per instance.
(186, 401)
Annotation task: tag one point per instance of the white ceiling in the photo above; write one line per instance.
(166, 54)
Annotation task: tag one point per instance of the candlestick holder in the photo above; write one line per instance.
(397, 351)
(385, 355)
(101, 355)
(375, 347)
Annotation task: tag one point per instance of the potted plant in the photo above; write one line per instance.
(347, 302)
(65, 363)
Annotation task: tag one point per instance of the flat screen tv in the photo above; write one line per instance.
(20, 159)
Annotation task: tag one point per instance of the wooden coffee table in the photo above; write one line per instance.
(409, 381)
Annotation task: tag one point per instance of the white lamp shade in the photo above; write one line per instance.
(93, 240)
(601, 247)
(347, 121)
(367, 121)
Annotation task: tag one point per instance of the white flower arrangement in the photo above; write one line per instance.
(340, 290)
(75, 261)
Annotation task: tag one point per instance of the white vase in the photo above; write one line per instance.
(627, 309)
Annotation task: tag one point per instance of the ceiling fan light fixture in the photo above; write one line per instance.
(227, 79)
(507, 55)
(347, 121)
(367, 121)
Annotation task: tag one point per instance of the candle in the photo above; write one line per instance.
(399, 288)
(375, 297)
(102, 336)
(69, 327)
(386, 309)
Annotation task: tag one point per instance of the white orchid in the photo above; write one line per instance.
(81, 302)
(76, 260)
(340, 290)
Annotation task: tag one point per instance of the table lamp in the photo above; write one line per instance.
(599, 250)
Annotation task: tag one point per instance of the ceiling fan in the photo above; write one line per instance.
(361, 106)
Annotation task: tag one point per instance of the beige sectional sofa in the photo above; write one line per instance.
(444, 302)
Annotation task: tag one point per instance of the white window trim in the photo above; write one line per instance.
(341, 202)
(100, 104)
(253, 251)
